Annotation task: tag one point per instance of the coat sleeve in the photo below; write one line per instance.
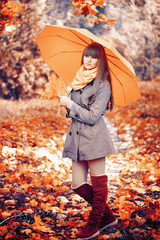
(97, 108)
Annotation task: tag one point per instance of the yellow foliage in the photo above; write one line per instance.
(54, 88)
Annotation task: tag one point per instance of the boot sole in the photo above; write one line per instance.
(109, 225)
(94, 235)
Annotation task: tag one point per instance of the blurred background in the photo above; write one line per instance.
(135, 35)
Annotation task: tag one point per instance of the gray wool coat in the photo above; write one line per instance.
(88, 137)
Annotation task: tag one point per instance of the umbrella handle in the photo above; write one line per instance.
(69, 90)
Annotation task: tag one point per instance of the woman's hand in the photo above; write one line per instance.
(64, 100)
(68, 90)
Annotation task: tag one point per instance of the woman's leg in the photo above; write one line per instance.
(97, 166)
(79, 181)
(79, 173)
(99, 188)
(101, 215)
(80, 170)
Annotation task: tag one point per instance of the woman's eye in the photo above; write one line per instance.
(90, 56)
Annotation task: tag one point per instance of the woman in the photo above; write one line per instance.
(88, 141)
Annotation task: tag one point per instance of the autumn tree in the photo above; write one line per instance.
(89, 9)
(21, 67)
(22, 70)
(9, 12)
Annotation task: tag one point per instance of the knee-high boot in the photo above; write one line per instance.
(91, 229)
(86, 191)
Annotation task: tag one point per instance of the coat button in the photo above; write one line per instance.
(70, 133)
(76, 116)
(77, 132)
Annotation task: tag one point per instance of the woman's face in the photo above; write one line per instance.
(89, 62)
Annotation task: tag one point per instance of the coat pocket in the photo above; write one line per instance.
(85, 131)
(95, 129)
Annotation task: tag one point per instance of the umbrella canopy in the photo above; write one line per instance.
(62, 47)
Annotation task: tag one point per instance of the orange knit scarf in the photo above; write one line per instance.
(83, 77)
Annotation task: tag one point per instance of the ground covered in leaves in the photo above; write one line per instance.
(35, 197)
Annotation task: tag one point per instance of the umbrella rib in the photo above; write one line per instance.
(62, 53)
(64, 39)
(120, 68)
(124, 72)
(108, 55)
(120, 84)
(79, 37)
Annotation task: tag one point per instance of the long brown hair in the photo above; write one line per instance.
(96, 50)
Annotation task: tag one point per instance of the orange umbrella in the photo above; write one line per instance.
(62, 47)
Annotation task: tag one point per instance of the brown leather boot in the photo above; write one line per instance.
(108, 219)
(86, 191)
(91, 229)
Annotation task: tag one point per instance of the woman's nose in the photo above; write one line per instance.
(89, 58)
